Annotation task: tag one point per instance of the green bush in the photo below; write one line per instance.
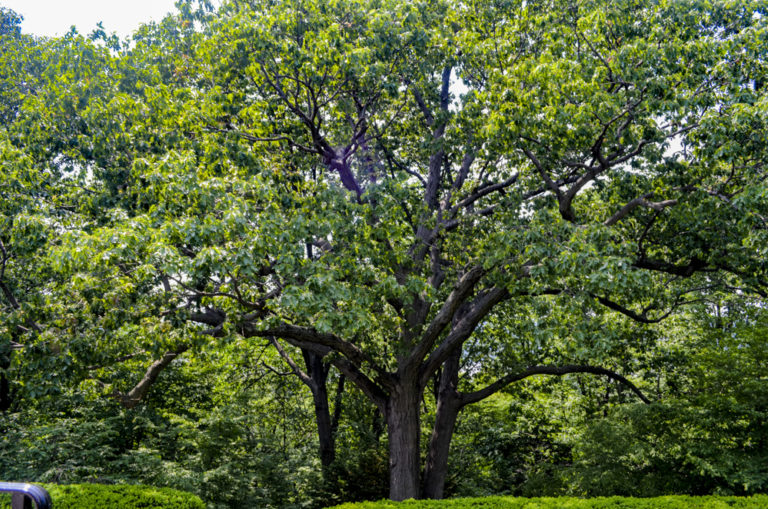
(670, 502)
(102, 496)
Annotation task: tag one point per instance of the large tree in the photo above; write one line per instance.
(389, 187)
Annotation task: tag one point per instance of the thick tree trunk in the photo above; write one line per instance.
(403, 430)
(448, 407)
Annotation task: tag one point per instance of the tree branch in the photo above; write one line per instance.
(695, 265)
(311, 338)
(294, 367)
(484, 191)
(638, 317)
(132, 398)
(474, 397)
(555, 188)
(365, 384)
(641, 201)
(461, 290)
(461, 331)
(436, 159)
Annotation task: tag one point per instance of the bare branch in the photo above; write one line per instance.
(428, 117)
(348, 369)
(213, 317)
(365, 384)
(485, 191)
(296, 334)
(275, 371)
(9, 295)
(466, 164)
(436, 159)
(4, 261)
(695, 265)
(641, 317)
(555, 188)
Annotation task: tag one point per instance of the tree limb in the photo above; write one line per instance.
(132, 398)
(463, 329)
(474, 397)
(638, 317)
(294, 367)
(462, 289)
(641, 201)
(312, 336)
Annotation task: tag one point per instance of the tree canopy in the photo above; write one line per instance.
(429, 200)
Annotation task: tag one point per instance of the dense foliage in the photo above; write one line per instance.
(289, 254)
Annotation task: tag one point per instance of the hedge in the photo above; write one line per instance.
(670, 502)
(105, 496)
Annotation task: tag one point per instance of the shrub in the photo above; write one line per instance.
(102, 496)
(670, 502)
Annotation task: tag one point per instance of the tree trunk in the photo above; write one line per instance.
(318, 372)
(324, 427)
(5, 387)
(337, 405)
(403, 430)
(5, 393)
(448, 407)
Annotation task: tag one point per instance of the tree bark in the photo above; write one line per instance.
(324, 428)
(404, 429)
(448, 407)
(316, 378)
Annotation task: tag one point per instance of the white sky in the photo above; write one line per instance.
(54, 17)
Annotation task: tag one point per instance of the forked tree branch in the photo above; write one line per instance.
(462, 330)
(462, 289)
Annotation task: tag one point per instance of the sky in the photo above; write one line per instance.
(55, 17)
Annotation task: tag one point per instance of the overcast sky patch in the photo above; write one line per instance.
(54, 18)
